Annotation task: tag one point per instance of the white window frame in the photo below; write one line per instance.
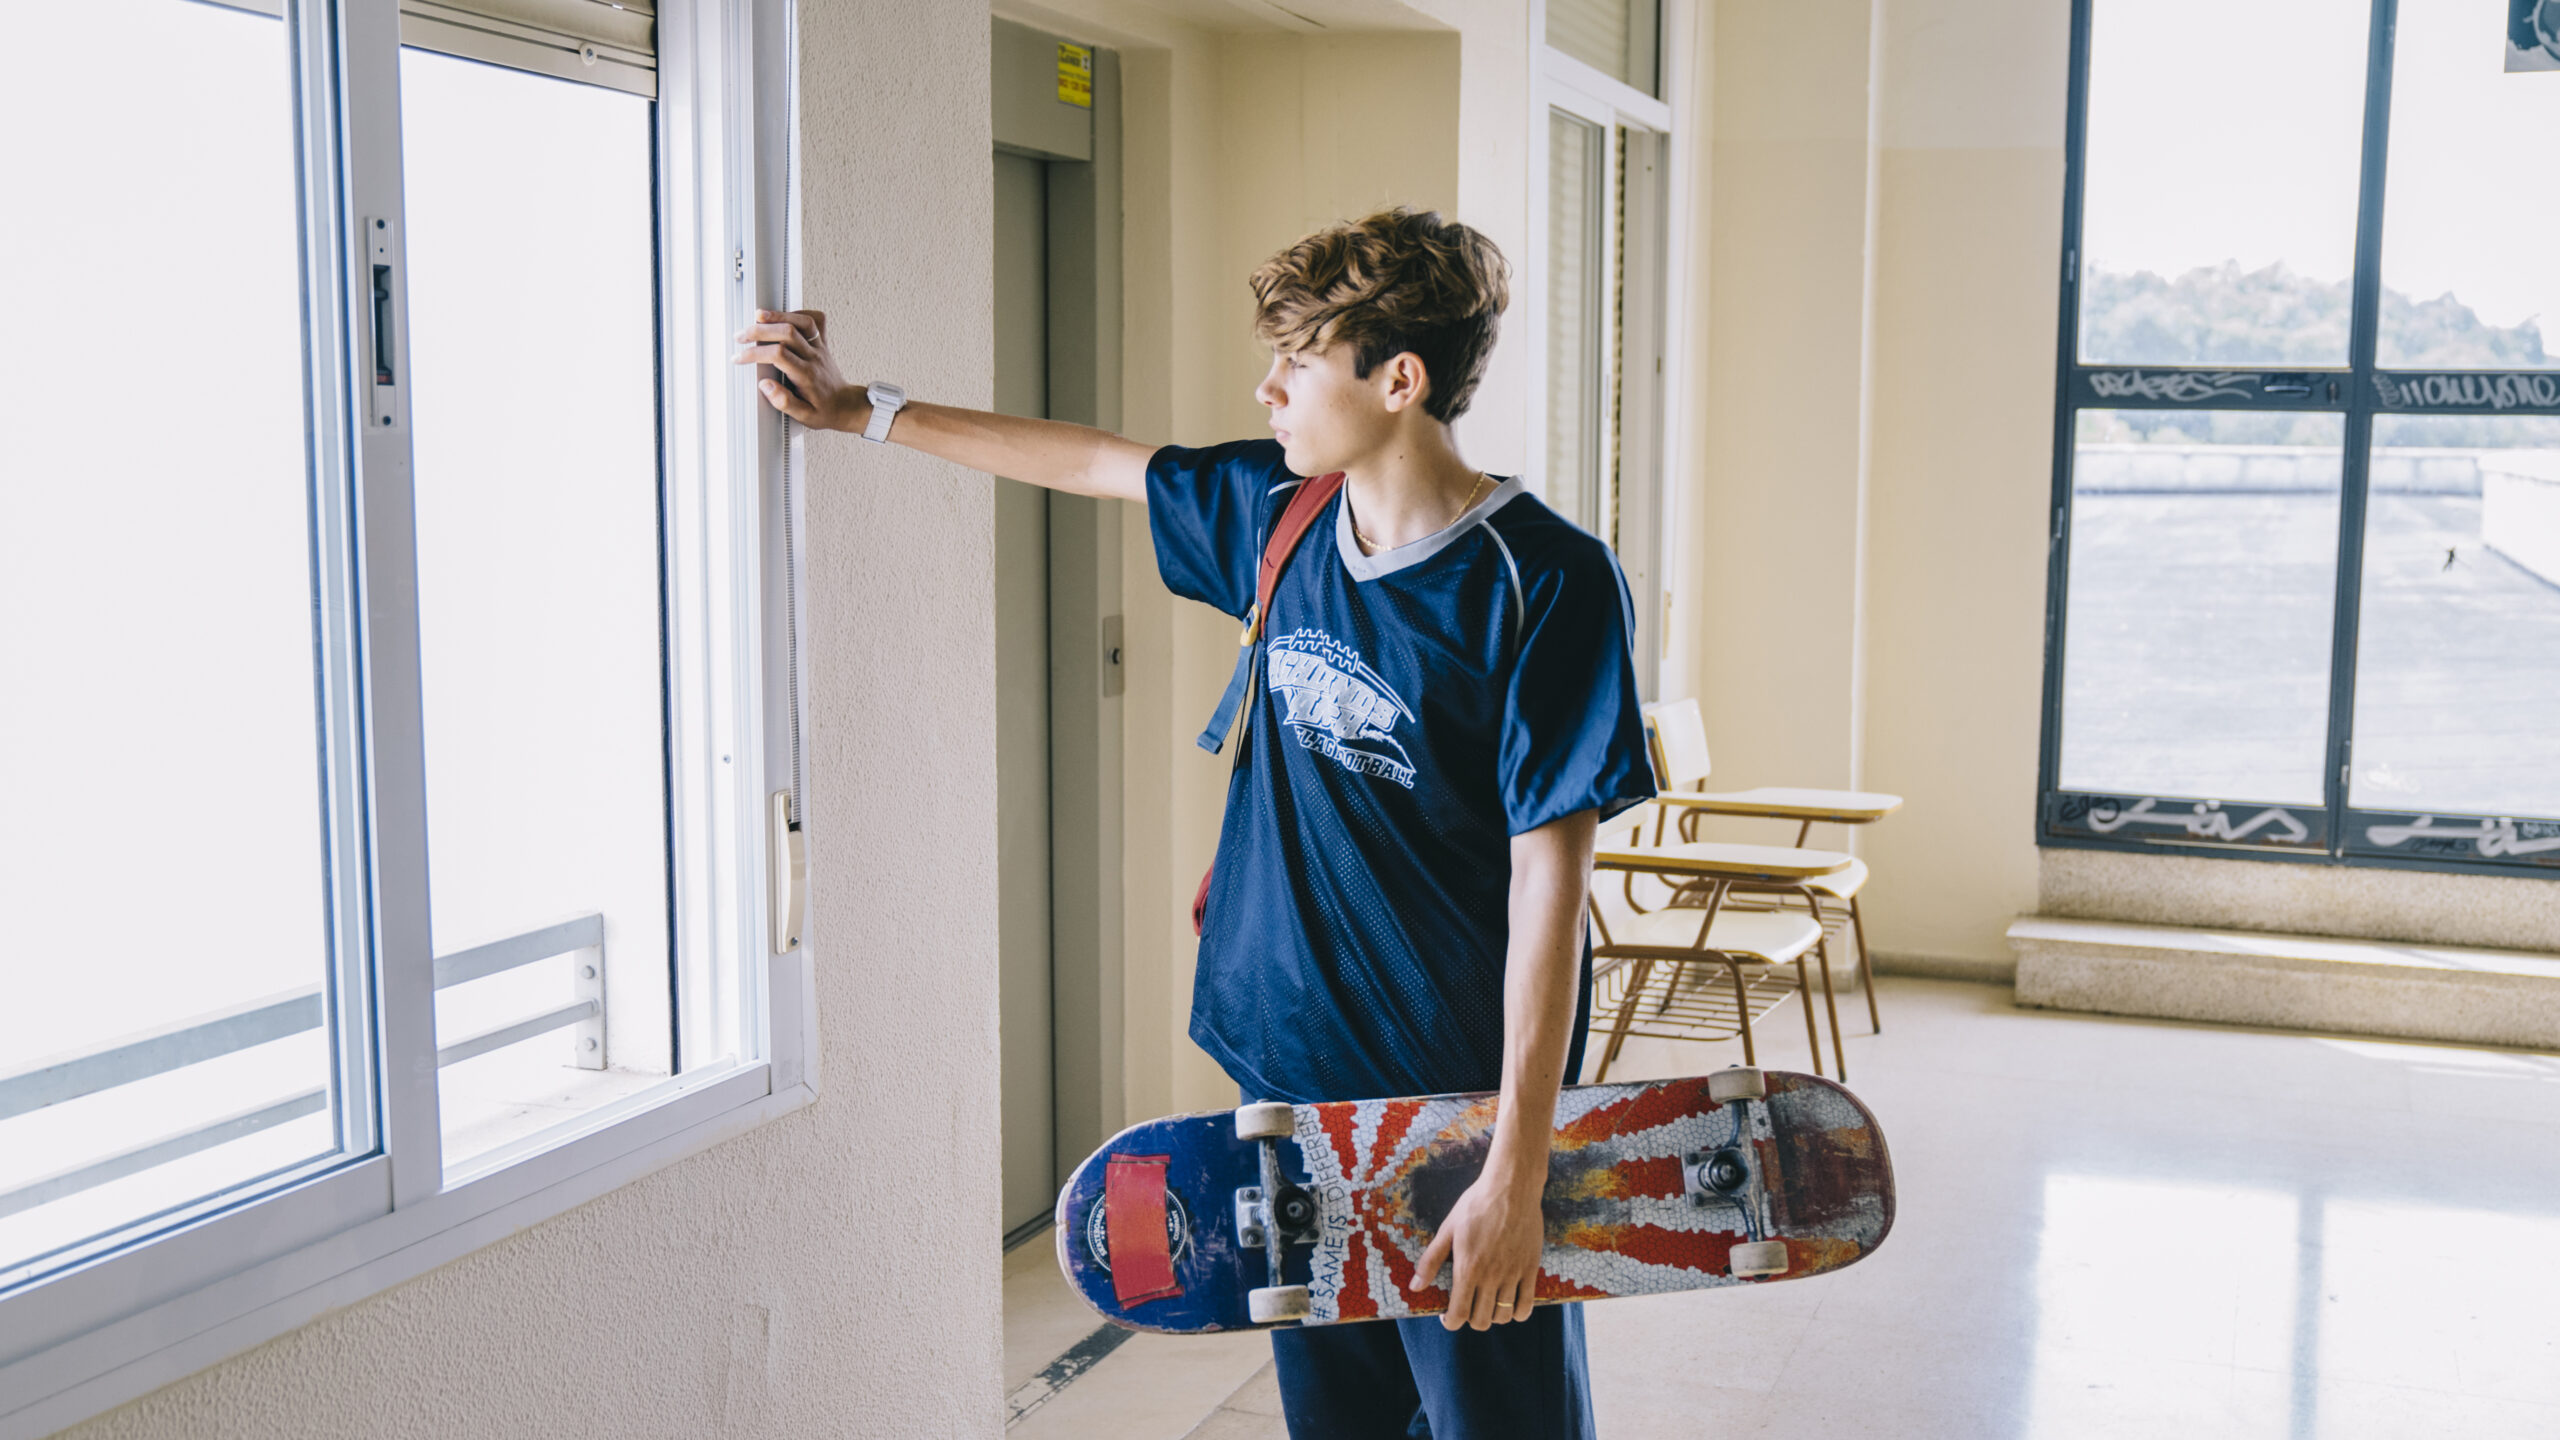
(76, 1343)
(1645, 519)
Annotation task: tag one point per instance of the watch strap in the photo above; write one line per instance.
(886, 402)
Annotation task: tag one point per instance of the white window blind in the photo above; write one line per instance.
(1574, 256)
(1616, 37)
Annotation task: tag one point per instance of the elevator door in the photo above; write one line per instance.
(1022, 706)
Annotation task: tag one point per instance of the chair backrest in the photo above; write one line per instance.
(1678, 733)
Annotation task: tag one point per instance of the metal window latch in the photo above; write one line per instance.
(787, 862)
(380, 256)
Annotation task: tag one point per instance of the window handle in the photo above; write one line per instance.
(788, 863)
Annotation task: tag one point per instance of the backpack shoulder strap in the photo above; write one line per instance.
(1296, 518)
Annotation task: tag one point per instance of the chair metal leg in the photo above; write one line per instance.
(1830, 1005)
(1742, 1007)
(1866, 967)
(1804, 995)
(1626, 1016)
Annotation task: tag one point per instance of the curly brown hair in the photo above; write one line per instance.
(1394, 282)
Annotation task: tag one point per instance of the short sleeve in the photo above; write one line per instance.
(1208, 511)
(1573, 723)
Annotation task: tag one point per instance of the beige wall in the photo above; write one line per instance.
(799, 1280)
(1968, 275)
(1886, 199)
(1784, 497)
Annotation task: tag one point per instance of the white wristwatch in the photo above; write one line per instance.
(886, 401)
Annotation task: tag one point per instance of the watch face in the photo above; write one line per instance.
(888, 397)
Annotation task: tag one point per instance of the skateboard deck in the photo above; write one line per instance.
(1189, 1224)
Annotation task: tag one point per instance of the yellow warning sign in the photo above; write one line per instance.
(1075, 75)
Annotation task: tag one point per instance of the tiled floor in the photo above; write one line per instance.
(2107, 1228)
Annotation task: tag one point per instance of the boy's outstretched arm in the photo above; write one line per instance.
(1496, 1233)
(1050, 453)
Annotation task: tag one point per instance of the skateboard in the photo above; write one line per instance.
(1280, 1214)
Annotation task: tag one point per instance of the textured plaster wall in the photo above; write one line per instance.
(796, 1281)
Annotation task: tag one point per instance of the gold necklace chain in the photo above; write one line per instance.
(1472, 492)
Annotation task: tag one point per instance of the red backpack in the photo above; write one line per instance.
(1233, 713)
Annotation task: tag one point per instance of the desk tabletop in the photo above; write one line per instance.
(1711, 859)
(1848, 807)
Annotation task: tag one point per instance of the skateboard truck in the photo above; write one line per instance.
(1292, 1211)
(1717, 1174)
(1726, 1175)
(1265, 1224)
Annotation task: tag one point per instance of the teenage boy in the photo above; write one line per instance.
(1445, 708)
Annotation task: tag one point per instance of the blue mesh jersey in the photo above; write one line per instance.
(1414, 710)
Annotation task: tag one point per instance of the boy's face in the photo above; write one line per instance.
(1326, 416)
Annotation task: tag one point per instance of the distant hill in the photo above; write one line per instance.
(2224, 315)
(2274, 318)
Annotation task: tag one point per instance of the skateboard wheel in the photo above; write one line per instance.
(1277, 1303)
(1765, 1257)
(1271, 1120)
(1739, 1083)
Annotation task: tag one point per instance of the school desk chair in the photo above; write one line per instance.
(1653, 969)
(1678, 734)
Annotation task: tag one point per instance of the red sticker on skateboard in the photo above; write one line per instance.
(1141, 1250)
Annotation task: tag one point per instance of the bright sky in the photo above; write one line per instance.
(2229, 129)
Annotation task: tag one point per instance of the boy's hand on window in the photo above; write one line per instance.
(809, 388)
(1494, 1238)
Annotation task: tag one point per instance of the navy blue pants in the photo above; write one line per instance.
(1407, 1379)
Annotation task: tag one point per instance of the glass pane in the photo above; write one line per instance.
(1574, 242)
(2204, 556)
(538, 583)
(2468, 223)
(2458, 649)
(1618, 38)
(162, 855)
(2219, 224)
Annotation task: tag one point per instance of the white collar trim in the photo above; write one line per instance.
(1388, 562)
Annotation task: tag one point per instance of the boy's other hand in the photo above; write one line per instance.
(811, 390)
(1493, 1241)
